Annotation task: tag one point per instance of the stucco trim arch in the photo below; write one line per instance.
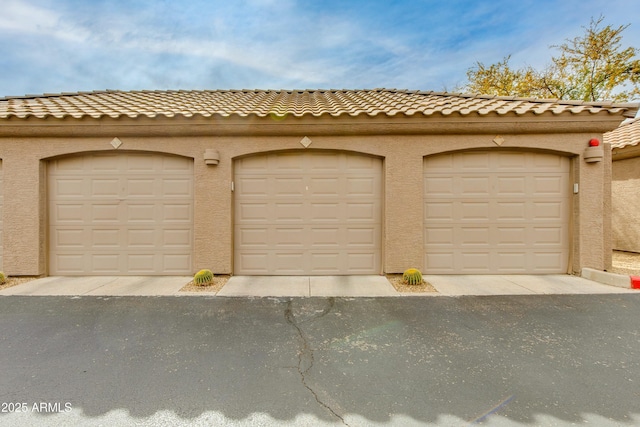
(521, 149)
(112, 151)
(307, 150)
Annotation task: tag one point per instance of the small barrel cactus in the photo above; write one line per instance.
(3, 278)
(412, 276)
(203, 277)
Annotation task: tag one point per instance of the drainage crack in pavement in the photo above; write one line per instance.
(100, 286)
(305, 355)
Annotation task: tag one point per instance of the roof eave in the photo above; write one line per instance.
(345, 124)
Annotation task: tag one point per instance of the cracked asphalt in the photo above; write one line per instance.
(424, 361)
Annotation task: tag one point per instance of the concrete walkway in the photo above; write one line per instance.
(308, 286)
(553, 284)
(101, 286)
(313, 286)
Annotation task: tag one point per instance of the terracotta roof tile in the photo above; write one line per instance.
(627, 134)
(298, 103)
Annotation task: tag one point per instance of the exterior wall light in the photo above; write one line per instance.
(211, 157)
(594, 153)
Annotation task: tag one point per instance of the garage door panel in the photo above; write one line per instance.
(252, 212)
(138, 164)
(326, 263)
(141, 238)
(472, 161)
(140, 187)
(104, 187)
(70, 188)
(103, 238)
(101, 213)
(286, 212)
(105, 263)
(250, 262)
(316, 207)
(366, 212)
(135, 216)
(323, 212)
(325, 237)
(175, 164)
(361, 263)
(285, 187)
(438, 211)
(510, 161)
(439, 261)
(511, 185)
(252, 186)
(513, 262)
(549, 236)
(175, 263)
(101, 163)
(176, 212)
(547, 262)
(288, 237)
(474, 211)
(511, 211)
(367, 186)
(363, 238)
(140, 263)
(519, 206)
(547, 163)
(325, 187)
(439, 186)
(287, 163)
(177, 238)
(252, 237)
(439, 237)
(545, 211)
(69, 238)
(474, 262)
(510, 236)
(474, 186)
(474, 236)
(141, 213)
(288, 263)
(549, 185)
(442, 163)
(70, 263)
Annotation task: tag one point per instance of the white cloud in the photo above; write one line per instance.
(19, 17)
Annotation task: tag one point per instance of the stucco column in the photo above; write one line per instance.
(404, 228)
(595, 214)
(212, 216)
(24, 216)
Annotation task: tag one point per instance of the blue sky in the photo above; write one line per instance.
(52, 46)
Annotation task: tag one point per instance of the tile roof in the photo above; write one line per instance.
(298, 103)
(627, 134)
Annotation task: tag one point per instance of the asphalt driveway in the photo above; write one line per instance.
(500, 360)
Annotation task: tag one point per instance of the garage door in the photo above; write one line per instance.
(312, 213)
(496, 212)
(121, 214)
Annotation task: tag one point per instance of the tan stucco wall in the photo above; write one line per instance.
(625, 189)
(25, 184)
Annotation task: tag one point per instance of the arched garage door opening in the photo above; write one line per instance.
(125, 213)
(308, 213)
(496, 212)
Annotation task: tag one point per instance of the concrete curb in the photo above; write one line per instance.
(612, 279)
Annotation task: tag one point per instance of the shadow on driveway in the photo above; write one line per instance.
(534, 360)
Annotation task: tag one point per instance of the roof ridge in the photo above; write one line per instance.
(604, 103)
(263, 102)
